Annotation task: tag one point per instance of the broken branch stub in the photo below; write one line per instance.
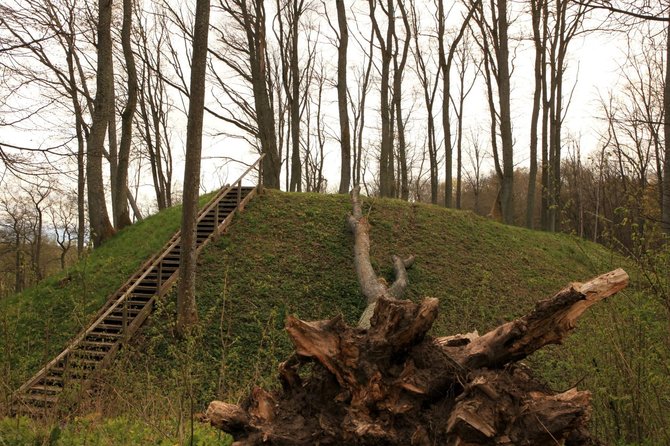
(548, 323)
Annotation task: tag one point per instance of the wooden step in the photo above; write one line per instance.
(142, 293)
(104, 334)
(42, 388)
(89, 353)
(132, 310)
(97, 344)
(104, 326)
(133, 307)
(53, 379)
(40, 398)
(75, 373)
(77, 362)
(119, 318)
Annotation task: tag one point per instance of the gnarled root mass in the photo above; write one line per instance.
(392, 384)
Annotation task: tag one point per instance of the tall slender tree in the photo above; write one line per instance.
(386, 162)
(665, 203)
(399, 63)
(539, 70)
(495, 47)
(342, 106)
(120, 193)
(187, 313)
(446, 60)
(101, 227)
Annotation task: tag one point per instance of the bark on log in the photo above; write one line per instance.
(390, 383)
(372, 286)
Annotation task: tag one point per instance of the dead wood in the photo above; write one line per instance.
(547, 324)
(389, 382)
(372, 286)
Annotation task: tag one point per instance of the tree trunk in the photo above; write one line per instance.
(535, 114)
(296, 166)
(101, 227)
(79, 126)
(187, 312)
(666, 130)
(446, 120)
(345, 136)
(507, 184)
(254, 24)
(120, 194)
(386, 172)
(387, 382)
(398, 70)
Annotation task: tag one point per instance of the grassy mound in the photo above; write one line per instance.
(36, 324)
(292, 254)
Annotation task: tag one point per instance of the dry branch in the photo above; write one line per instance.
(372, 286)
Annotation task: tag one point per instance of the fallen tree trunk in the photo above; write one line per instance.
(388, 382)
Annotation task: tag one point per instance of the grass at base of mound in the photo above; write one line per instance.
(118, 431)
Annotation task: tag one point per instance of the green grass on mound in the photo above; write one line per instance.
(292, 254)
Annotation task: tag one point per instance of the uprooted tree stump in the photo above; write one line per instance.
(386, 382)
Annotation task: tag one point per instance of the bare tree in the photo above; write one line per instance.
(540, 43)
(446, 59)
(473, 176)
(154, 109)
(495, 46)
(429, 88)
(187, 313)
(358, 106)
(62, 28)
(386, 161)
(101, 227)
(15, 222)
(120, 193)
(463, 58)
(399, 63)
(342, 108)
(567, 23)
(62, 215)
(247, 57)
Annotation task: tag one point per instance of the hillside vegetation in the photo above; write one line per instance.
(292, 254)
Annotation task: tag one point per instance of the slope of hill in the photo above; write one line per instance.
(292, 254)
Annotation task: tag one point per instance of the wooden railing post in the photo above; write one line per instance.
(159, 281)
(66, 369)
(239, 191)
(125, 316)
(215, 230)
(260, 175)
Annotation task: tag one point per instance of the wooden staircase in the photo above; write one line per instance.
(76, 367)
